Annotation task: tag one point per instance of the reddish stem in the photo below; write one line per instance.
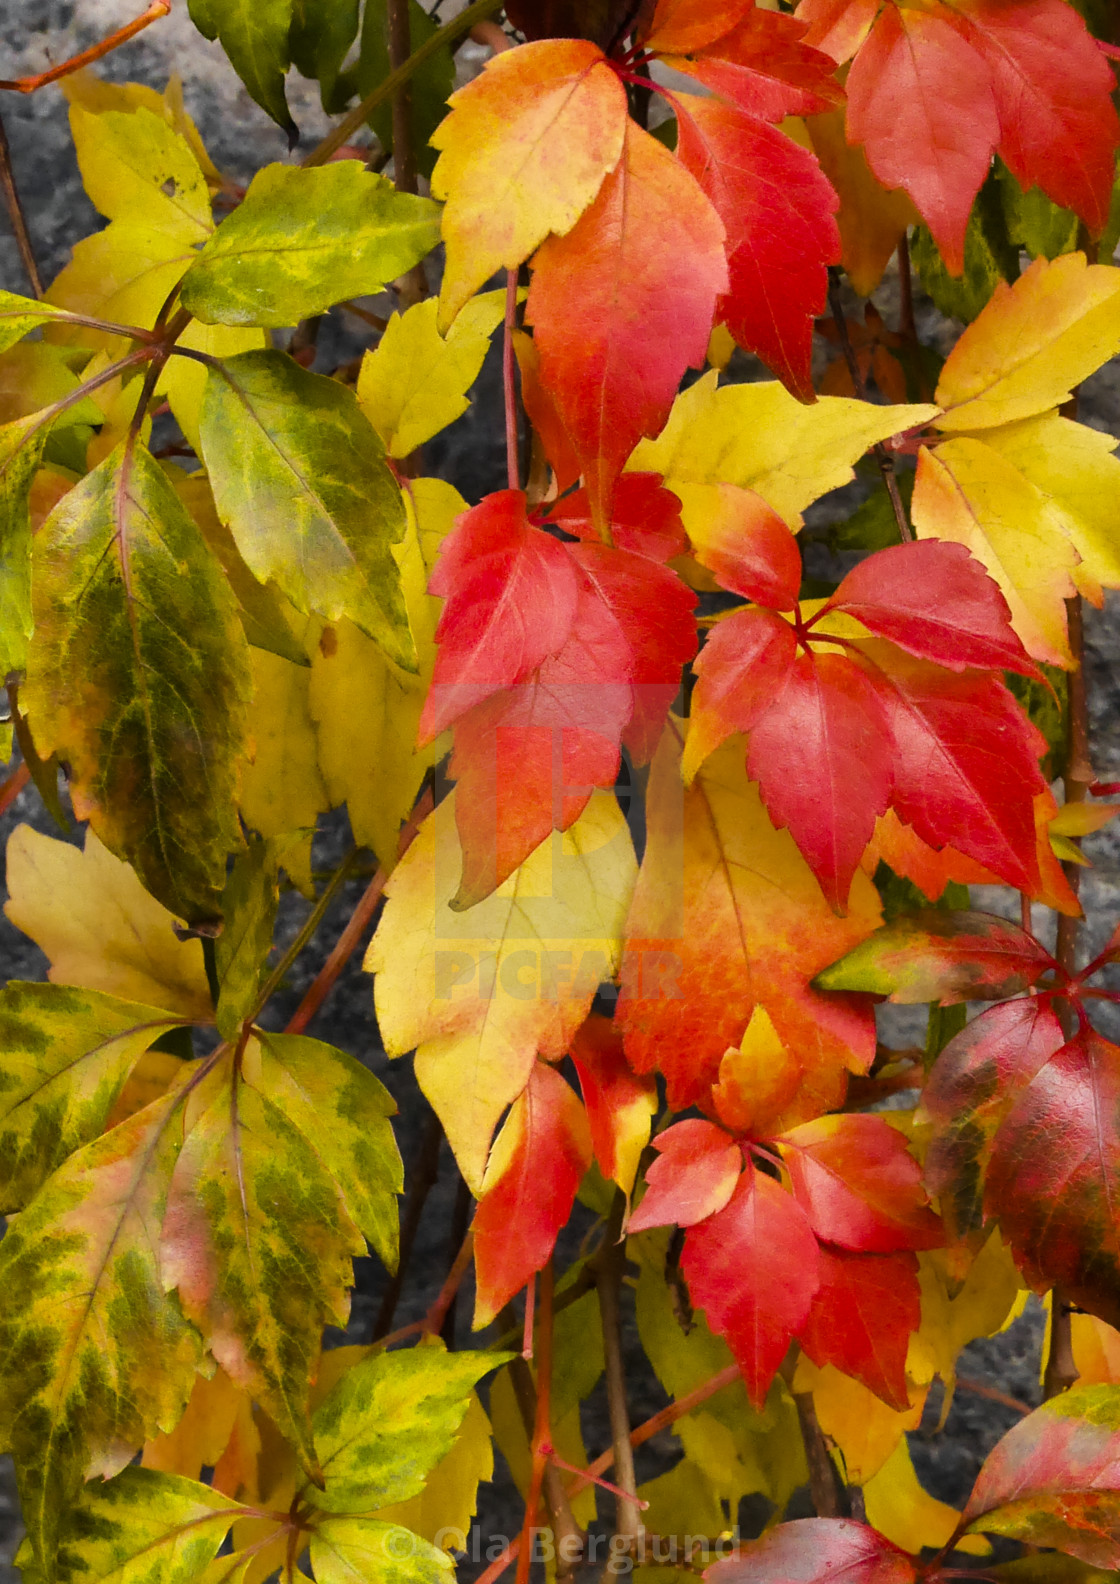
(513, 467)
(527, 1329)
(13, 786)
(603, 1484)
(26, 85)
(542, 1432)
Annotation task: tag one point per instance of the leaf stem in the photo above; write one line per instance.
(509, 383)
(822, 1470)
(16, 214)
(26, 85)
(879, 451)
(610, 1263)
(542, 1433)
(385, 89)
(13, 786)
(310, 925)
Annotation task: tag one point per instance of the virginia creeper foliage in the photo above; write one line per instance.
(660, 800)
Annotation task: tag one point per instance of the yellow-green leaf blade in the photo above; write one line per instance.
(144, 1528)
(97, 1356)
(19, 316)
(254, 34)
(138, 677)
(370, 1551)
(300, 476)
(21, 449)
(304, 239)
(137, 167)
(249, 905)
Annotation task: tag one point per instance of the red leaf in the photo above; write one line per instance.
(778, 208)
(816, 1551)
(511, 595)
(965, 762)
(542, 413)
(936, 602)
(822, 759)
(920, 100)
(528, 758)
(837, 26)
(535, 1167)
(645, 517)
(741, 672)
(862, 1318)
(859, 1185)
(748, 547)
(1054, 1175)
(1052, 87)
(680, 26)
(624, 303)
(620, 1103)
(973, 1085)
(765, 68)
(693, 1177)
(753, 1269)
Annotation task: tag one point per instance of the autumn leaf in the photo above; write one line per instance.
(943, 957)
(282, 789)
(255, 37)
(695, 1174)
(481, 993)
(504, 188)
(620, 1103)
(346, 1550)
(153, 736)
(858, 1184)
(760, 63)
(303, 239)
(727, 917)
(864, 1313)
(612, 352)
(98, 926)
(529, 1188)
(135, 166)
(300, 477)
(816, 1550)
(872, 220)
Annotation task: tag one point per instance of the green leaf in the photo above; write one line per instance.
(64, 1058)
(249, 908)
(370, 1551)
(873, 525)
(304, 239)
(935, 955)
(429, 87)
(98, 1357)
(19, 316)
(300, 476)
(342, 1110)
(136, 167)
(415, 382)
(254, 34)
(258, 1241)
(322, 32)
(389, 1421)
(144, 1528)
(989, 258)
(138, 677)
(1034, 222)
(21, 450)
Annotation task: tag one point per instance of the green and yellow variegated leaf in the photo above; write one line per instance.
(183, 380)
(389, 1421)
(97, 1356)
(304, 239)
(367, 709)
(249, 909)
(64, 1058)
(21, 450)
(137, 167)
(342, 1110)
(19, 316)
(138, 678)
(370, 1551)
(122, 274)
(415, 381)
(259, 1243)
(144, 1528)
(443, 1510)
(300, 476)
(254, 34)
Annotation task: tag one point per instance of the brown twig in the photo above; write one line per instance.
(993, 1394)
(542, 1423)
(570, 1538)
(26, 85)
(610, 1265)
(412, 287)
(421, 1181)
(460, 1224)
(16, 214)
(823, 1483)
(509, 383)
(883, 458)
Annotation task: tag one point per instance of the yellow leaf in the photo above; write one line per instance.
(32, 376)
(902, 1510)
(1076, 470)
(94, 93)
(1081, 819)
(956, 1313)
(282, 791)
(137, 168)
(1096, 1350)
(526, 147)
(967, 493)
(760, 437)
(757, 1080)
(415, 382)
(123, 274)
(99, 927)
(872, 220)
(366, 709)
(480, 993)
(721, 347)
(152, 1076)
(865, 1429)
(202, 1434)
(443, 1510)
(1032, 344)
(183, 379)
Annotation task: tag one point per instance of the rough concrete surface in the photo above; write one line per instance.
(36, 33)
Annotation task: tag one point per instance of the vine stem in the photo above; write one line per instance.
(13, 786)
(879, 451)
(357, 118)
(509, 385)
(822, 1473)
(608, 1281)
(26, 85)
(16, 214)
(310, 925)
(651, 1427)
(542, 1431)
